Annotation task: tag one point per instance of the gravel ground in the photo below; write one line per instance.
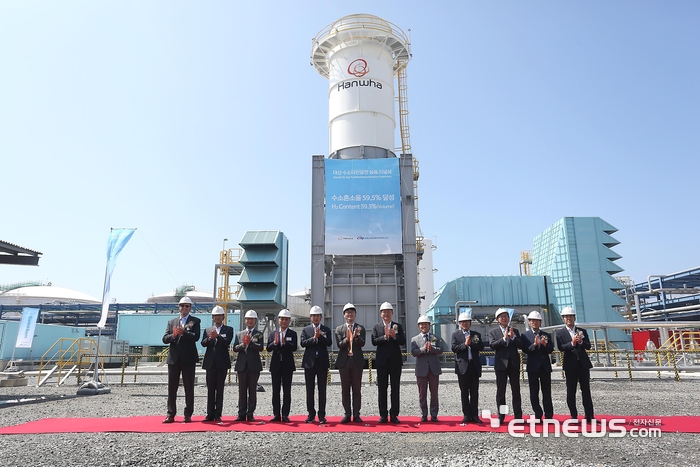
(643, 396)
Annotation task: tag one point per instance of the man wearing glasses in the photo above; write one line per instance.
(182, 333)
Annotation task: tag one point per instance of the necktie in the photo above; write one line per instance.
(469, 349)
(425, 336)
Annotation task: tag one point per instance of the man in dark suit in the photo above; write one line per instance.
(316, 338)
(182, 333)
(282, 343)
(217, 362)
(538, 346)
(350, 338)
(426, 348)
(466, 345)
(505, 341)
(388, 336)
(248, 344)
(573, 342)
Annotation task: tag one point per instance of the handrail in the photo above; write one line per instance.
(622, 360)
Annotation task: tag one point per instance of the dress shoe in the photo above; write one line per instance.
(424, 418)
(476, 420)
(346, 419)
(286, 420)
(433, 419)
(219, 421)
(208, 419)
(395, 420)
(322, 420)
(250, 418)
(383, 420)
(357, 419)
(310, 419)
(187, 419)
(240, 418)
(465, 420)
(276, 418)
(169, 419)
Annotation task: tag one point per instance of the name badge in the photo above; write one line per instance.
(289, 339)
(222, 335)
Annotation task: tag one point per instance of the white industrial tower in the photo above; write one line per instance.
(364, 248)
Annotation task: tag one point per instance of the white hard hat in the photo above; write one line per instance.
(185, 300)
(466, 315)
(251, 314)
(500, 311)
(284, 314)
(349, 306)
(535, 315)
(315, 310)
(568, 311)
(423, 319)
(386, 306)
(217, 310)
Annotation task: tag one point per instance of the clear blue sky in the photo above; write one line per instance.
(196, 121)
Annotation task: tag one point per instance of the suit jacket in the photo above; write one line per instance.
(575, 356)
(283, 352)
(316, 352)
(216, 355)
(341, 339)
(248, 356)
(505, 351)
(462, 353)
(183, 349)
(537, 357)
(388, 350)
(426, 360)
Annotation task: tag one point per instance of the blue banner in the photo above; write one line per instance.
(25, 334)
(363, 207)
(118, 239)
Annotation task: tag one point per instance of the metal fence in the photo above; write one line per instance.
(622, 363)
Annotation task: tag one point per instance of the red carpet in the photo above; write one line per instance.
(152, 424)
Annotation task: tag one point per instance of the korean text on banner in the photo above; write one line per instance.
(363, 207)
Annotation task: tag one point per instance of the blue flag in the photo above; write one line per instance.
(510, 314)
(118, 239)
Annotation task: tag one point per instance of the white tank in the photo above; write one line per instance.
(360, 55)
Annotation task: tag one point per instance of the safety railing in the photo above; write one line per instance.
(618, 361)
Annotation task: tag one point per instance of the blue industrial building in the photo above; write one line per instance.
(572, 265)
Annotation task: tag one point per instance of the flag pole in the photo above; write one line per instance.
(118, 238)
(94, 386)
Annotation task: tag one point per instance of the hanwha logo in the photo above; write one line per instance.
(358, 68)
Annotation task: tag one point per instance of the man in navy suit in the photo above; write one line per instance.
(466, 345)
(388, 336)
(426, 348)
(182, 333)
(350, 338)
(573, 342)
(282, 343)
(505, 341)
(538, 346)
(217, 362)
(316, 338)
(248, 344)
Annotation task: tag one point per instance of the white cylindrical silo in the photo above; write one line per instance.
(360, 54)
